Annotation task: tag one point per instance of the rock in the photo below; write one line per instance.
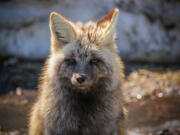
(152, 30)
(148, 30)
(141, 40)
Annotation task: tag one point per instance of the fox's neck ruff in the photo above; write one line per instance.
(93, 96)
(84, 105)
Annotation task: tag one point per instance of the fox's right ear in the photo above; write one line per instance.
(62, 30)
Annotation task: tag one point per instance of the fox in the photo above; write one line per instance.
(80, 86)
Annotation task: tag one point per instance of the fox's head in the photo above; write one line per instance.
(84, 55)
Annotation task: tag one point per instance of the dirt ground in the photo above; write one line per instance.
(151, 91)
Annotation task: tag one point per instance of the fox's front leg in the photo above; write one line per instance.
(122, 123)
(122, 130)
(35, 126)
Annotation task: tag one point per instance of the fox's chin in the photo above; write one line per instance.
(81, 86)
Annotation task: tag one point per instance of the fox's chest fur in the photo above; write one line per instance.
(82, 114)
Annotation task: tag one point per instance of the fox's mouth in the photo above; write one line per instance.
(81, 86)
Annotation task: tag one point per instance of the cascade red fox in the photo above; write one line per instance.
(79, 89)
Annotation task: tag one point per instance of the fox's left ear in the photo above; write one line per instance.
(108, 25)
(62, 31)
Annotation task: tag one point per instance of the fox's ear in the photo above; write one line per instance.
(62, 30)
(108, 25)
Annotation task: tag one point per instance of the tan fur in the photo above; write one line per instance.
(98, 36)
(35, 122)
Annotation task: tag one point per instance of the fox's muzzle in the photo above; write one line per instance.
(79, 80)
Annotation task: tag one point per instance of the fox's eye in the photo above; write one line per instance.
(70, 61)
(94, 61)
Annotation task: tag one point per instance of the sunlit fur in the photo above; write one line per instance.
(95, 108)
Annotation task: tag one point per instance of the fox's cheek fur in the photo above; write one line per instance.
(64, 71)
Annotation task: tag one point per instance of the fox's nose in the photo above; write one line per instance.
(81, 78)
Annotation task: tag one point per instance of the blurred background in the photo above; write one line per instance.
(148, 39)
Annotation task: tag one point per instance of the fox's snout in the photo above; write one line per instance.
(79, 80)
